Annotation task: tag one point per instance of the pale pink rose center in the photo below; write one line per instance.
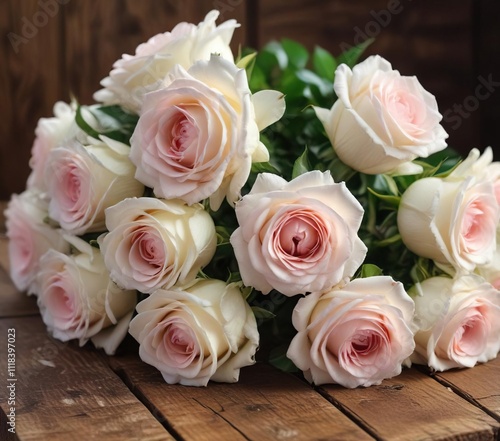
(147, 252)
(299, 234)
(179, 140)
(475, 226)
(470, 338)
(180, 344)
(60, 304)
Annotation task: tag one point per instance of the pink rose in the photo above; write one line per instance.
(197, 137)
(458, 320)
(154, 243)
(50, 132)
(298, 236)
(77, 300)
(135, 75)
(356, 335)
(452, 221)
(85, 180)
(381, 121)
(29, 238)
(204, 331)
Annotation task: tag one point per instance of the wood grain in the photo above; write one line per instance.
(264, 405)
(412, 406)
(481, 385)
(64, 392)
(30, 83)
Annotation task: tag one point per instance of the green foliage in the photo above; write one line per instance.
(111, 121)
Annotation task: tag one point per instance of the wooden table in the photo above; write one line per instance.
(63, 392)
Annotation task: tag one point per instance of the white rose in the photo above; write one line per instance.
(50, 132)
(452, 221)
(204, 331)
(458, 322)
(77, 300)
(29, 238)
(154, 243)
(135, 75)
(355, 335)
(197, 137)
(381, 120)
(298, 236)
(85, 180)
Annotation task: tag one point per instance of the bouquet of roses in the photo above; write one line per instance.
(196, 211)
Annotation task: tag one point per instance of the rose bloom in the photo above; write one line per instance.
(50, 132)
(381, 121)
(298, 236)
(355, 335)
(452, 221)
(482, 167)
(491, 271)
(154, 243)
(85, 180)
(204, 331)
(134, 75)
(29, 238)
(77, 300)
(197, 137)
(458, 320)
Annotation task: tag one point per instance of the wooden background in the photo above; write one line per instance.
(68, 46)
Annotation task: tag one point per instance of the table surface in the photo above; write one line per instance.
(63, 392)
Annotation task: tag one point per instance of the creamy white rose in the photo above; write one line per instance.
(77, 300)
(135, 75)
(154, 243)
(204, 331)
(29, 238)
(50, 132)
(85, 180)
(381, 120)
(452, 221)
(197, 137)
(459, 322)
(298, 236)
(355, 335)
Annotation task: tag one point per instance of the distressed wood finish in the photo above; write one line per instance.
(265, 404)
(66, 392)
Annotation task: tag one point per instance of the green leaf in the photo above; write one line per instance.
(264, 167)
(391, 184)
(84, 125)
(352, 55)
(324, 64)
(310, 78)
(370, 270)
(244, 62)
(389, 241)
(262, 313)
(297, 54)
(301, 165)
(275, 49)
(391, 200)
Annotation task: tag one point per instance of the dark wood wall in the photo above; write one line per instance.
(50, 49)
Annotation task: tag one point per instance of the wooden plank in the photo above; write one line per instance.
(480, 385)
(265, 404)
(413, 406)
(30, 82)
(64, 392)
